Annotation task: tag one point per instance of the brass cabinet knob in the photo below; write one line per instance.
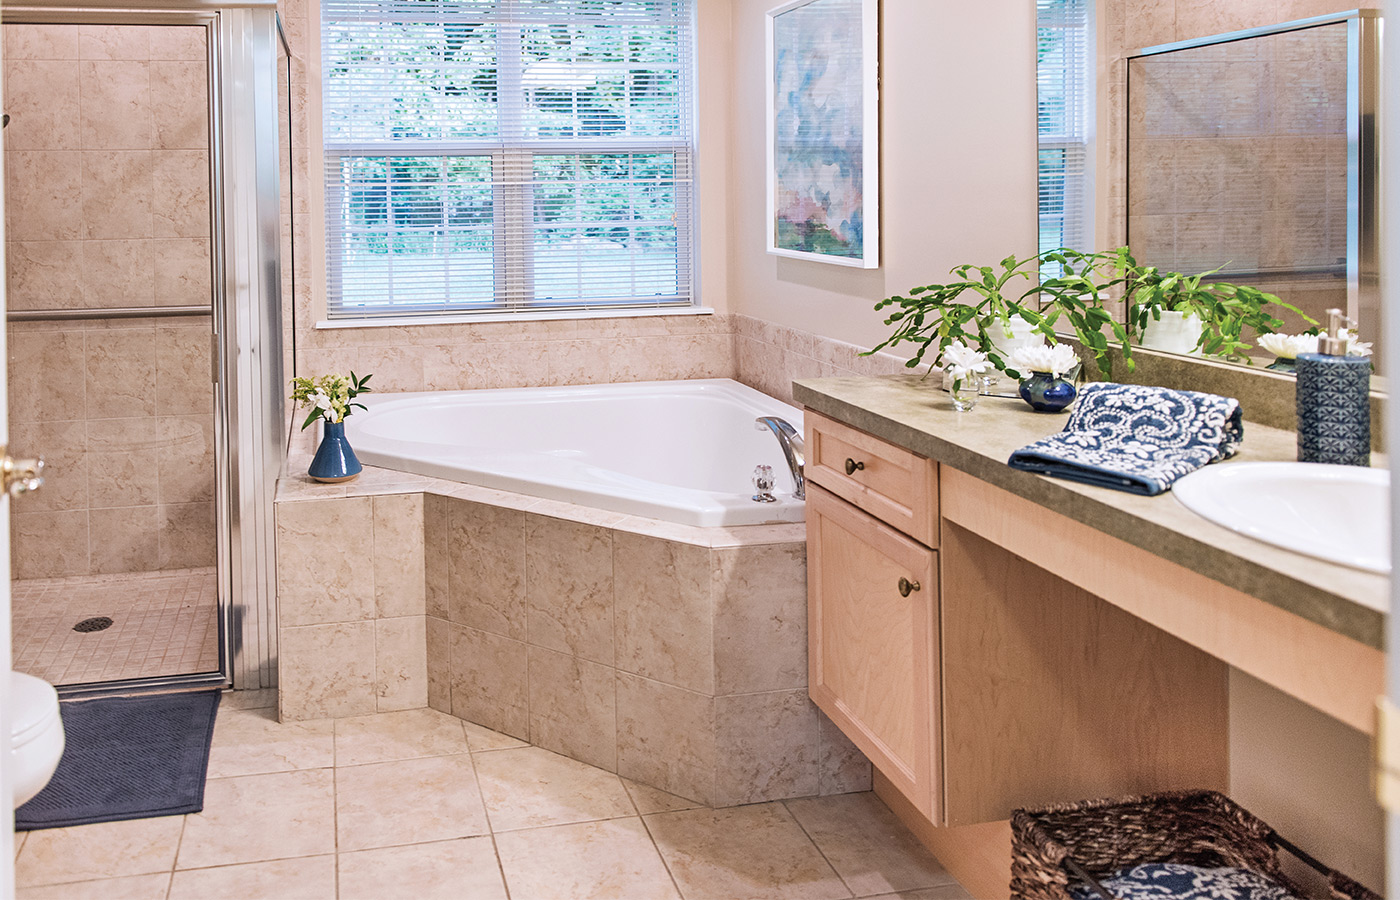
(852, 466)
(907, 587)
(21, 476)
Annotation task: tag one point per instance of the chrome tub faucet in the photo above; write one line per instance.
(794, 449)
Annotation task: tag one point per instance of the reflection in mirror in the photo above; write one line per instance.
(1246, 156)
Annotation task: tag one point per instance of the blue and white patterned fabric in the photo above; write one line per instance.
(1153, 881)
(1135, 438)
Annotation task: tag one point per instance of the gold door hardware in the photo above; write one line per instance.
(21, 476)
(907, 587)
(852, 466)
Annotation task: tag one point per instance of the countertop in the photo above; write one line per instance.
(913, 413)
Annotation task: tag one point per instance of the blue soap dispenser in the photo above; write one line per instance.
(1334, 401)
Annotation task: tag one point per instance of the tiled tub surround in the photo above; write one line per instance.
(468, 356)
(671, 655)
(106, 206)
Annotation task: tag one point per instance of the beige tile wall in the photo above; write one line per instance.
(770, 357)
(350, 592)
(682, 666)
(1130, 25)
(107, 205)
(525, 354)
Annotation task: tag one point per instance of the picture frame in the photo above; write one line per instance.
(823, 132)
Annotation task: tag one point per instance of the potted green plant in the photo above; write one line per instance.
(1079, 294)
(981, 307)
(1190, 314)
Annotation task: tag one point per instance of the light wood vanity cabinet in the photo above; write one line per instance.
(1041, 660)
(997, 683)
(873, 607)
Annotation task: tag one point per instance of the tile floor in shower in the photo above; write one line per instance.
(163, 623)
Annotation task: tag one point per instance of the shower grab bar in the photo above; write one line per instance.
(115, 312)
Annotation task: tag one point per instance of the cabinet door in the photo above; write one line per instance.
(872, 649)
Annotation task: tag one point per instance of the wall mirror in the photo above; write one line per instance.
(1254, 153)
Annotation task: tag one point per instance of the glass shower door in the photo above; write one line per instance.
(108, 241)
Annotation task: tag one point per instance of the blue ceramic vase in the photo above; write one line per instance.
(1047, 393)
(334, 461)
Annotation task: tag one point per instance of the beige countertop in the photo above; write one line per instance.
(913, 413)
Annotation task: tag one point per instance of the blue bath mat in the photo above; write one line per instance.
(127, 758)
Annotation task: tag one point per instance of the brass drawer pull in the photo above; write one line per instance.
(907, 587)
(852, 466)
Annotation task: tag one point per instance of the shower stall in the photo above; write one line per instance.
(147, 186)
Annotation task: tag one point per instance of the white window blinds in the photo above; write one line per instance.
(1065, 85)
(507, 155)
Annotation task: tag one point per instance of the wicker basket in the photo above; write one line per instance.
(1057, 846)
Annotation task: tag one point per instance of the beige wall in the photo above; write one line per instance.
(957, 154)
(1308, 776)
(107, 166)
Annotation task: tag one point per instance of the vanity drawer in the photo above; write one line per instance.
(898, 487)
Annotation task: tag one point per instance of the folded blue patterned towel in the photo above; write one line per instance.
(1135, 438)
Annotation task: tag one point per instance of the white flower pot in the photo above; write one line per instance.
(1175, 332)
(1023, 334)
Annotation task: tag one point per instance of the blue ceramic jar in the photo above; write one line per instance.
(1047, 393)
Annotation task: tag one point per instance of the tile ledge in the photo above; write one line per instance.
(295, 486)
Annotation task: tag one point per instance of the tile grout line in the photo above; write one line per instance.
(485, 811)
(652, 837)
(335, 807)
(175, 863)
(787, 809)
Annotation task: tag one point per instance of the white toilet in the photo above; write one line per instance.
(36, 734)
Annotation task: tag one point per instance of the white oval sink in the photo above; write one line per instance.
(1337, 513)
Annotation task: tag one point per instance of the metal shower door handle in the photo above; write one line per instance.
(21, 476)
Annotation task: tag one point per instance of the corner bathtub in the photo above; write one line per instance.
(682, 451)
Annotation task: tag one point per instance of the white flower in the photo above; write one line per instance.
(1057, 359)
(320, 400)
(960, 361)
(1288, 346)
(1356, 346)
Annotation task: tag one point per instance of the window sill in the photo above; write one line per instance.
(541, 316)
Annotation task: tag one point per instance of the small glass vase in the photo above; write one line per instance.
(335, 461)
(1047, 393)
(1286, 366)
(965, 392)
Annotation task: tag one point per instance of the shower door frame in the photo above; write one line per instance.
(1364, 29)
(242, 41)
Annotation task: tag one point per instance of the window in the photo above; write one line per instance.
(502, 156)
(1064, 87)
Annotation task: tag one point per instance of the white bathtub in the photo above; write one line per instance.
(683, 451)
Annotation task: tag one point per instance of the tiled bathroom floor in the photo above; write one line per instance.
(164, 623)
(421, 805)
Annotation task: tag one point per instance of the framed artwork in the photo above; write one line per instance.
(823, 132)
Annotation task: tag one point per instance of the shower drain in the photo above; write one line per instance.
(96, 623)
